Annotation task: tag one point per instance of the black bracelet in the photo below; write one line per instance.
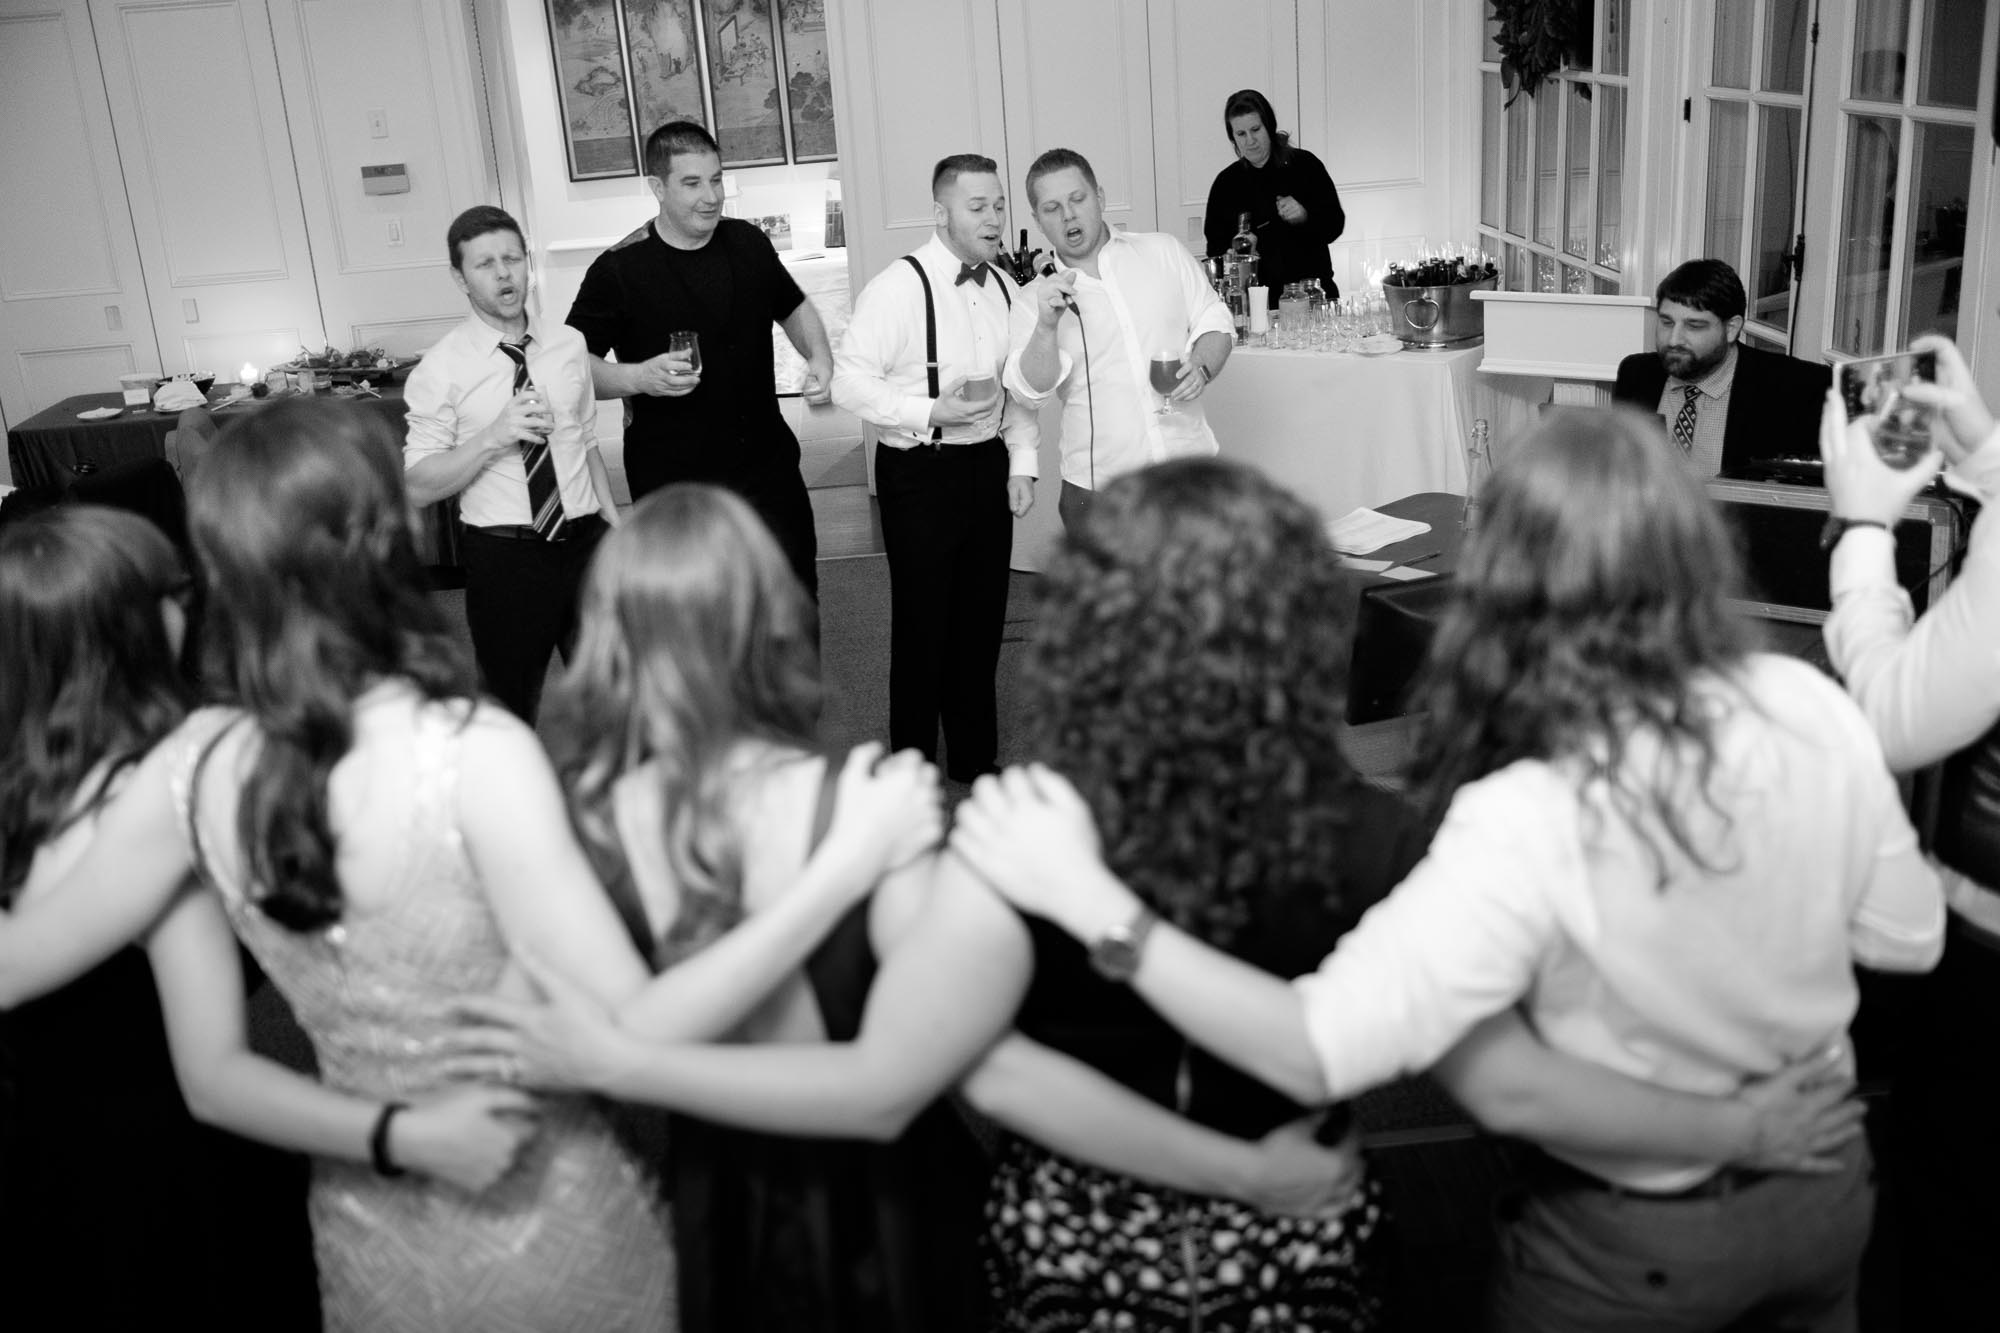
(378, 1140)
(1836, 527)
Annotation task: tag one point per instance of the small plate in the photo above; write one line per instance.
(1379, 344)
(100, 414)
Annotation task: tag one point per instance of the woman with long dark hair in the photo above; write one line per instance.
(1666, 847)
(1187, 663)
(377, 839)
(1293, 207)
(115, 1203)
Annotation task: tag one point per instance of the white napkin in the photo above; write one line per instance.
(1364, 530)
(178, 396)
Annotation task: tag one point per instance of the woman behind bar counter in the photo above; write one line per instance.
(1294, 209)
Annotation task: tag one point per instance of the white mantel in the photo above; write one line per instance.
(1576, 340)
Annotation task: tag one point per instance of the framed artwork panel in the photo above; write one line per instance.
(663, 45)
(808, 80)
(742, 54)
(598, 131)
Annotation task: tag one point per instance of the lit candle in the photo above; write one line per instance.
(248, 375)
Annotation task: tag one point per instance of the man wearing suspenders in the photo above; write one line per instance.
(955, 464)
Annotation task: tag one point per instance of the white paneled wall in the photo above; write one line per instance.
(402, 96)
(1379, 86)
(73, 311)
(1080, 76)
(211, 180)
(1201, 53)
(1138, 87)
(184, 183)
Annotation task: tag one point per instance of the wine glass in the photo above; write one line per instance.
(688, 344)
(1165, 374)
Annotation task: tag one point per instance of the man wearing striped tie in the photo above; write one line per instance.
(1727, 406)
(502, 415)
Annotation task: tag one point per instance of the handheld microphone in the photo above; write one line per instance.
(1049, 271)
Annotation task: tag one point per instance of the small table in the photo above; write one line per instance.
(50, 447)
(53, 447)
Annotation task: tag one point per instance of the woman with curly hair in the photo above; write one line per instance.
(1666, 847)
(1187, 667)
(378, 838)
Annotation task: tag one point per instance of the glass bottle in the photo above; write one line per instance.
(1245, 241)
(1478, 470)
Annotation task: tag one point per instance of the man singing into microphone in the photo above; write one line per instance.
(955, 467)
(1125, 328)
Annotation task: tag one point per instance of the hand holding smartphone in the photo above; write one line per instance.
(1873, 386)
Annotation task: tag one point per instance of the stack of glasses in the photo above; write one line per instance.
(1306, 321)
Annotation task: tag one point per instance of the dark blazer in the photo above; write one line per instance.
(1774, 403)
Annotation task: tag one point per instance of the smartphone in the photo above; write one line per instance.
(1873, 386)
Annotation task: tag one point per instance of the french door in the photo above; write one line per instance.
(1843, 150)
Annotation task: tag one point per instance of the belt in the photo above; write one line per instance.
(939, 446)
(525, 532)
(1729, 1180)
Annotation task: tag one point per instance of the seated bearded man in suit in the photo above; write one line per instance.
(1727, 405)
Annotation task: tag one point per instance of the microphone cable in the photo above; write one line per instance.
(1089, 397)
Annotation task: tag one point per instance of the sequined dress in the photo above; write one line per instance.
(571, 1238)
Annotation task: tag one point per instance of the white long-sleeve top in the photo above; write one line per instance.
(1931, 686)
(1537, 893)
(879, 373)
(1150, 298)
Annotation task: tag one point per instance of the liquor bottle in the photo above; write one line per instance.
(1245, 241)
(1478, 470)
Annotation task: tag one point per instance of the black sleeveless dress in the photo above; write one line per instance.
(117, 1208)
(795, 1235)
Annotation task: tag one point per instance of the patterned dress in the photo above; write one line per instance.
(1070, 1247)
(570, 1238)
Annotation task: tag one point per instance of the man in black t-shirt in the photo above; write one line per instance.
(714, 419)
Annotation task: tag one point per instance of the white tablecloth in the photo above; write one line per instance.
(1344, 431)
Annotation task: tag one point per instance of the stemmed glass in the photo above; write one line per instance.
(1165, 373)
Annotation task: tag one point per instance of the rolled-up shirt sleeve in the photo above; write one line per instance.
(875, 342)
(1207, 312)
(1021, 327)
(1928, 686)
(431, 426)
(1021, 428)
(1457, 942)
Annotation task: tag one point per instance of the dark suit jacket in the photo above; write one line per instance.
(1774, 403)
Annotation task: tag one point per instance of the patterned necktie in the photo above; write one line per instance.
(1684, 420)
(970, 273)
(544, 499)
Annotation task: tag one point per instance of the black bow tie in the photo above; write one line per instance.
(970, 273)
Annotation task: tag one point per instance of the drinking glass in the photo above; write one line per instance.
(688, 344)
(1165, 373)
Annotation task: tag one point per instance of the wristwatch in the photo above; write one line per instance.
(1115, 953)
(1836, 528)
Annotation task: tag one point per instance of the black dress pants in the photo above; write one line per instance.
(521, 598)
(949, 535)
(778, 494)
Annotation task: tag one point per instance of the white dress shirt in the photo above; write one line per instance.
(1150, 298)
(1929, 686)
(1536, 893)
(465, 382)
(879, 373)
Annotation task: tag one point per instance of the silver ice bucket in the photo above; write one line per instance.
(1438, 316)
